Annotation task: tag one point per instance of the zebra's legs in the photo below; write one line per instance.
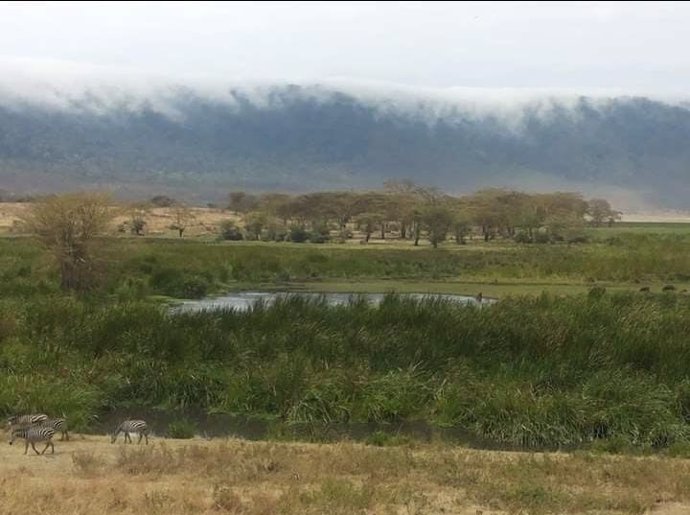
(33, 446)
(66, 435)
(127, 437)
(26, 447)
(141, 435)
(146, 435)
(52, 447)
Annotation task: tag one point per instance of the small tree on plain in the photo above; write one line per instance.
(68, 225)
(437, 220)
(182, 218)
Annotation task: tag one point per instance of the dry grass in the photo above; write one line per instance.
(205, 221)
(89, 475)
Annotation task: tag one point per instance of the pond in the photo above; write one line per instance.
(243, 301)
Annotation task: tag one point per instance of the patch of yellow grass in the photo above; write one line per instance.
(204, 222)
(89, 475)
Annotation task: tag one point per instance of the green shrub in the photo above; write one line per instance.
(298, 235)
(181, 429)
(230, 232)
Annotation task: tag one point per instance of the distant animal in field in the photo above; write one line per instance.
(645, 289)
(33, 435)
(479, 297)
(668, 287)
(132, 426)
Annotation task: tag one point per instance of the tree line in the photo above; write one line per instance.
(69, 224)
(408, 211)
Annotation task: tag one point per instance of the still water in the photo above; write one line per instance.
(243, 301)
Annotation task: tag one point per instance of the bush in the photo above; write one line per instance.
(319, 237)
(522, 237)
(179, 284)
(298, 235)
(542, 237)
(182, 429)
(230, 232)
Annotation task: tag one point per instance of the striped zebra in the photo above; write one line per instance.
(132, 426)
(59, 424)
(25, 420)
(34, 434)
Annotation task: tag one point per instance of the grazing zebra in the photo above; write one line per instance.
(34, 434)
(132, 426)
(25, 420)
(59, 424)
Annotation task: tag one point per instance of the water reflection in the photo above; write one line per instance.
(243, 301)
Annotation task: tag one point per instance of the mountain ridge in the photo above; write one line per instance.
(303, 138)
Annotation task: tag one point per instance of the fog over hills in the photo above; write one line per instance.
(199, 141)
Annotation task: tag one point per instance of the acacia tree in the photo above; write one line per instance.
(599, 210)
(242, 202)
(437, 220)
(182, 217)
(137, 217)
(68, 226)
(254, 224)
(367, 223)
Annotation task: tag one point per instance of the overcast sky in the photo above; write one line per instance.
(634, 46)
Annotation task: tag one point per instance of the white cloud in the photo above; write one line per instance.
(629, 45)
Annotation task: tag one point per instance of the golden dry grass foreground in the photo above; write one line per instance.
(89, 475)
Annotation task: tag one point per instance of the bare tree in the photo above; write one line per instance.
(68, 225)
(182, 217)
(137, 217)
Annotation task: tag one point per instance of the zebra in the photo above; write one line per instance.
(25, 420)
(132, 426)
(59, 424)
(34, 434)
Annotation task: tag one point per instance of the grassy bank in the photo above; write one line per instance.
(601, 369)
(137, 268)
(234, 476)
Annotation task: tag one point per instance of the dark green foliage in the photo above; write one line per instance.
(181, 429)
(230, 232)
(298, 235)
(530, 372)
(175, 283)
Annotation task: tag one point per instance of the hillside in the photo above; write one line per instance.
(297, 138)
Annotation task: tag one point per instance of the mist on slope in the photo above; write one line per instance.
(62, 128)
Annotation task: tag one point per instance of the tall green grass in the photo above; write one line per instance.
(191, 269)
(540, 371)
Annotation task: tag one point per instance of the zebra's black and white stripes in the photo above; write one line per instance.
(25, 420)
(132, 426)
(33, 435)
(60, 426)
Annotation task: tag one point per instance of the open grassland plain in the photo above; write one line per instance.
(89, 475)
